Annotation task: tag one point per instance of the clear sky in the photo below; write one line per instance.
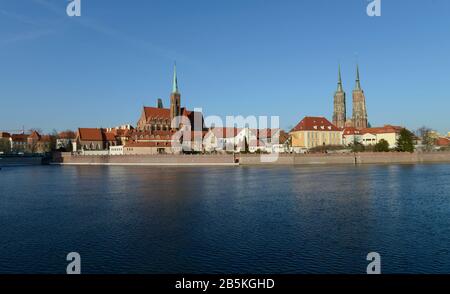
(234, 57)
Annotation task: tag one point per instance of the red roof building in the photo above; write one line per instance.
(442, 142)
(314, 131)
(311, 123)
(382, 130)
(95, 139)
(5, 135)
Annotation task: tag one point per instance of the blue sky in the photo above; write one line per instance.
(234, 57)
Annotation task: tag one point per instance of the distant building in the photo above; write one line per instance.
(237, 140)
(225, 139)
(94, 139)
(65, 140)
(442, 142)
(434, 135)
(116, 150)
(359, 119)
(351, 136)
(30, 143)
(162, 119)
(150, 148)
(372, 136)
(311, 132)
(5, 135)
(19, 142)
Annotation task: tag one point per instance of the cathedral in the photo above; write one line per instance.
(359, 114)
(160, 119)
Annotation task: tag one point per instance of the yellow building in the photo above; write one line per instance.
(312, 132)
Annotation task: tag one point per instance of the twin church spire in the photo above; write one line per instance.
(340, 87)
(359, 115)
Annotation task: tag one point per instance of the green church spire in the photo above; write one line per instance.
(358, 84)
(175, 81)
(340, 89)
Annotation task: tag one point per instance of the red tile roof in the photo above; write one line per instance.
(154, 113)
(382, 130)
(310, 123)
(19, 137)
(351, 131)
(109, 136)
(5, 135)
(67, 135)
(45, 138)
(442, 142)
(283, 137)
(35, 136)
(90, 134)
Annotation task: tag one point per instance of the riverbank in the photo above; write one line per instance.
(144, 160)
(252, 159)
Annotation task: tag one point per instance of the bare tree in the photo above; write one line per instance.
(424, 133)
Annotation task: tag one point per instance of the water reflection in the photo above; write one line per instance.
(322, 219)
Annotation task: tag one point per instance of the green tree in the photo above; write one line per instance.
(405, 141)
(358, 147)
(381, 146)
(5, 146)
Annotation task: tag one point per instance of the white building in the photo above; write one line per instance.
(116, 150)
(372, 136)
(238, 139)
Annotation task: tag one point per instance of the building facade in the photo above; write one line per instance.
(172, 118)
(340, 107)
(311, 132)
(372, 136)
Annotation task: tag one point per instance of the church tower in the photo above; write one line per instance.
(340, 112)
(175, 101)
(359, 115)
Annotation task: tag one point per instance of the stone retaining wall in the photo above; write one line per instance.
(350, 158)
(254, 159)
(67, 158)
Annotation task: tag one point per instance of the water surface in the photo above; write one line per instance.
(226, 219)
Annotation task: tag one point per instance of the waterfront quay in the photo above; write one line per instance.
(253, 159)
